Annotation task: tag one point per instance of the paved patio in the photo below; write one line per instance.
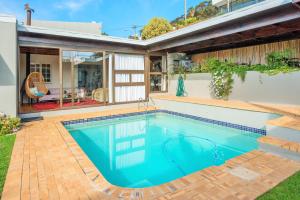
(48, 164)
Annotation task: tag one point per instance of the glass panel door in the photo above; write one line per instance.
(86, 78)
(67, 66)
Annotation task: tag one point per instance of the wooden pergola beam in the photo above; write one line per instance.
(38, 50)
(257, 41)
(240, 37)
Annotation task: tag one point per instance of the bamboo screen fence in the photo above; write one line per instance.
(251, 54)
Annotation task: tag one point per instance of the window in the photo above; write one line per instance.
(46, 72)
(158, 74)
(44, 68)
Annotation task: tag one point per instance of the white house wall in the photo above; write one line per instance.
(8, 66)
(278, 89)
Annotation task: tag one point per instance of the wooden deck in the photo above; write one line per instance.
(27, 108)
(48, 164)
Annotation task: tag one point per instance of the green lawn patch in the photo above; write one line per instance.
(6, 146)
(286, 190)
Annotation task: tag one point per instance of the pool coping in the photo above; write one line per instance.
(202, 119)
(100, 183)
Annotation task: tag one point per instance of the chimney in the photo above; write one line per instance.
(28, 14)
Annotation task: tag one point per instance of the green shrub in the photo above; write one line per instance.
(9, 125)
(279, 58)
(197, 69)
(188, 21)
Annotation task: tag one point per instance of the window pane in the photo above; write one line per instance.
(156, 64)
(155, 83)
(32, 68)
(37, 67)
(46, 72)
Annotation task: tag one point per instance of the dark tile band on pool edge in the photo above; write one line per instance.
(202, 119)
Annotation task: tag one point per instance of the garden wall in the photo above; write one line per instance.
(257, 87)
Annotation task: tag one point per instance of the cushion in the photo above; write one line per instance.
(35, 91)
(39, 94)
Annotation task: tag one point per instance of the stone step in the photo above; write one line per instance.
(280, 147)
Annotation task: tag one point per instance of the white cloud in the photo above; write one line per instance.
(72, 5)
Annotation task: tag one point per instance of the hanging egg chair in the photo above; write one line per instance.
(35, 86)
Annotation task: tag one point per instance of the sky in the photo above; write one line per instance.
(117, 16)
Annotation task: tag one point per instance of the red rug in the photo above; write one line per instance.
(53, 105)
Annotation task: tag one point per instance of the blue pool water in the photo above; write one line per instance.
(151, 149)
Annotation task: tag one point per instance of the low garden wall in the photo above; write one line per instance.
(257, 87)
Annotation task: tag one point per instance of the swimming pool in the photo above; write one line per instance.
(148, 149)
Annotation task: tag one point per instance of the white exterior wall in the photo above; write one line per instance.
(8, 65)
(278, 89)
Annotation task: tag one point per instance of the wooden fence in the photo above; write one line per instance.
(252, 54)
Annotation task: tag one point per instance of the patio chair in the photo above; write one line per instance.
(100, 95)
(35, 86)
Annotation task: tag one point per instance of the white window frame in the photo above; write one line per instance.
(39, 66)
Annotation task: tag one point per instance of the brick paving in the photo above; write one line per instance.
(48, 164)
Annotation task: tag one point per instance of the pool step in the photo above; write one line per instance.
(280, 147)
(285, 128)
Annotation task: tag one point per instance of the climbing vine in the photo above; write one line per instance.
(222, 77)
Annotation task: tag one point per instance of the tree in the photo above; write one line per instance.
(206, 10)
(191, 12)
(156, 26)
(203, 11)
